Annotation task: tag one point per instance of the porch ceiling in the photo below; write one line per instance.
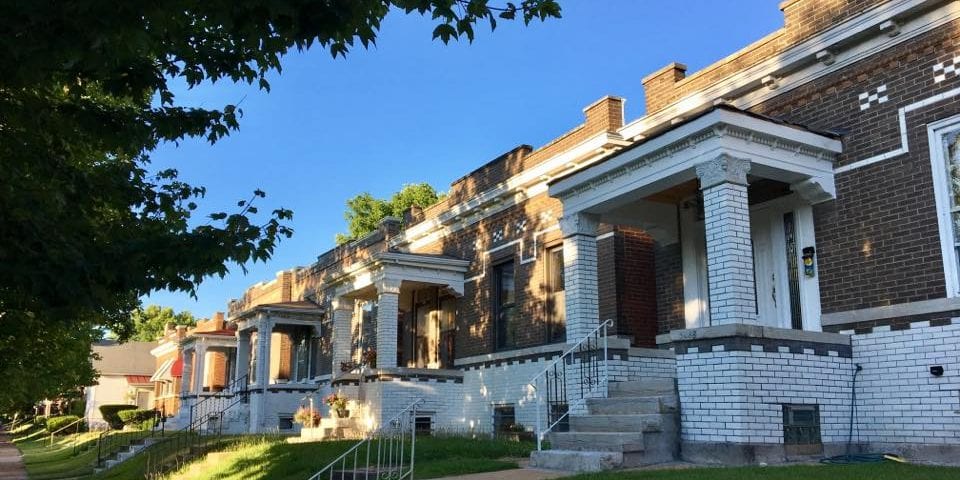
(662, 167)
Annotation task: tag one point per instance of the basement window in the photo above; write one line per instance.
(504, 418)
(801, 429)
(423, 425)
(285, 422)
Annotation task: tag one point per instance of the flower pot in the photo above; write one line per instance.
(342, 413)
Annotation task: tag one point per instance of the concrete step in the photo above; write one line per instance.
(647, 423)
(633, 405)
(597, 441)
(643, 387)
(575, 461)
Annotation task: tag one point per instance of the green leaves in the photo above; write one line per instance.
(85, 96)
(364, 211)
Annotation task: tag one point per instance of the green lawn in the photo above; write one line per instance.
(873, 471)
(274, 459)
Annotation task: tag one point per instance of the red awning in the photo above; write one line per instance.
(177, 369)
(138, 379)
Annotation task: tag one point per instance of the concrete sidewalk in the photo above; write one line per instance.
(11, 464)
(513, 474)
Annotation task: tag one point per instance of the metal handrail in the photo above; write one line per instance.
(71, 424)
(239, 386)
(386, 455)
(599, 331)
(109, 442)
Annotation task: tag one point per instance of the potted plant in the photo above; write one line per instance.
(338, 404)
(307, 418)
(370, 357)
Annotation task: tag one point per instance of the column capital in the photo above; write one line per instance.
(344, 304)
(579, 223)
(389, 285)
(723, 169)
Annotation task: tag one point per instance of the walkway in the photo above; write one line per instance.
(514, 474)
(11, 465)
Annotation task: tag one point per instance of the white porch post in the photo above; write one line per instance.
(243, 355)
(580, 274)
(186, 375)
(388, 307)
(723, 181)
(200, 371)
(342, 308)
(264, 337)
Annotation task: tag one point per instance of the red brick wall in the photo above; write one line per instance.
(669, 273)
(636, 286)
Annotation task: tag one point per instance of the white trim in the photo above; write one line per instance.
(902, 121)
(523, 261)
(605, 236)
(798, 65)
(941, 192)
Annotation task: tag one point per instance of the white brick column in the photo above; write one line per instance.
(264, 334)
(342, 311)
(186, 375)
(580, 274)
(243, 354)
(726, 211)
(200, 370)
(388, 308)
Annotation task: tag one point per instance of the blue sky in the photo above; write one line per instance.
(413, 110)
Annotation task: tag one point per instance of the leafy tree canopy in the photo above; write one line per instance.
(364, 211)
(150, 322)
(86, 228)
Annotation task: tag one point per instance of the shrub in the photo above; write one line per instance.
(58, 422)
(111, 415)
(139, 419)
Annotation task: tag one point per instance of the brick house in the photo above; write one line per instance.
(192, 364)
(777, 232)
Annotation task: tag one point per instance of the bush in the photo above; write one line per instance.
(58, 422)
(111, 415)
(140, 419)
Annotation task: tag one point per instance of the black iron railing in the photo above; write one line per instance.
(580, 373)
(112, 442)
(211, 406)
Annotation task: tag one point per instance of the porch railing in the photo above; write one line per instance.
(566, 383)
(216, 403)
(389, 452)
(112, 442)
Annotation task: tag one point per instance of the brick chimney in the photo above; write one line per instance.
(604, 115)
(658, 87)
(218, 321)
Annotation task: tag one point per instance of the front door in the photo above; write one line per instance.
(786, 295)
(776, 261)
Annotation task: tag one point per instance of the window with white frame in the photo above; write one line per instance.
(945, 158)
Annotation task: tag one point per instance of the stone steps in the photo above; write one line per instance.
(638, 424)
(648, 423)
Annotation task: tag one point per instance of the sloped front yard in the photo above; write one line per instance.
(873, 471)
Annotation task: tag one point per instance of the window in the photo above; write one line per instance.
(505, 306)
(801, 429)
(423, 425)
(285, 422)
(504, 418)
(945, 155)
(448, 331)
(793, 271)
(555, 300)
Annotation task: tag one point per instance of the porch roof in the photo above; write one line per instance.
(400, 267)
(298, 308)
(778, 150)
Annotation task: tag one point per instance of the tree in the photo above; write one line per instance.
(364, 211)
(149, 323)
(86, 228)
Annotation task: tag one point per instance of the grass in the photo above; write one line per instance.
(872, 471)
(272, 458)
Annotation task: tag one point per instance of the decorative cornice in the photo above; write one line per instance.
(723, 169)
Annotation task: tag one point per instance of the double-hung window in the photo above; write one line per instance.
(505, 305)
(945, 159)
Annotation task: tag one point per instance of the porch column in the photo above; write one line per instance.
(186, 374)
(388, 307)
(264, 337)
(342, 308)
(200, 371)
(580, 274)
(726, 211)
(243, 355)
